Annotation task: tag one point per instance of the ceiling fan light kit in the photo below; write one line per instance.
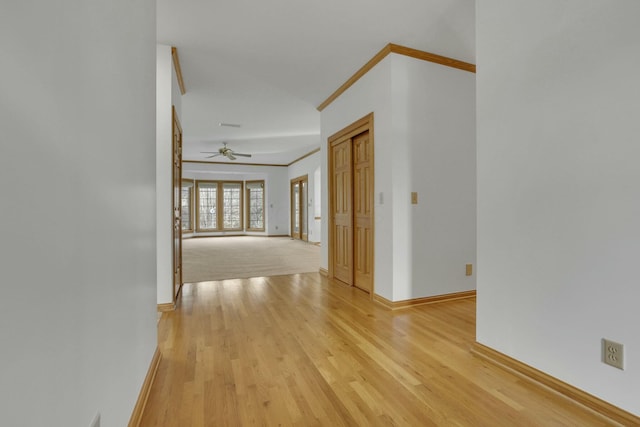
(226, 152)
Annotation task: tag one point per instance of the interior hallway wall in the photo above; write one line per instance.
(559, 188)
(424, 142)
(77, 177)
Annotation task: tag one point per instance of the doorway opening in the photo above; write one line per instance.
(299, 208)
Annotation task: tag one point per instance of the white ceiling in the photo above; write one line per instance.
(267, 64)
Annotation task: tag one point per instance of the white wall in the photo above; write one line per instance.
(276, 190)
(424, 141)
(165, 95)
(308, 166)
(558, 188)
(434, 114)
(77, 253)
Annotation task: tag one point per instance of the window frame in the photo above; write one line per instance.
(199, 183)
(219, 200)
(221, 212)
(248, 207)
(191, 204)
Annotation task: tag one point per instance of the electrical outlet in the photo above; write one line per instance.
(613, 354)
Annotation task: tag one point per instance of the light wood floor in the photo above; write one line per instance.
(300, 350)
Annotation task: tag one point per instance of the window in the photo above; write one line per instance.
(219, 206)
(255, 205)
(232, 206)
(187, 204)
(207, 205)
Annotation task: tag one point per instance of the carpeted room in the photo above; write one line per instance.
(234, 257)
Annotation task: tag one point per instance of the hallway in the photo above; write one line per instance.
(301, 350)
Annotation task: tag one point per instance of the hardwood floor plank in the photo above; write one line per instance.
(301, 350)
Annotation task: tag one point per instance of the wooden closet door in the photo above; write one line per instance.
(342, 213)
(363, 211)
(177, 205)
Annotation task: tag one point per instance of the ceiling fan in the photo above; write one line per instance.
(226, 152)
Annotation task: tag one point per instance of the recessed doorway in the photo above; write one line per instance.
(299, 210)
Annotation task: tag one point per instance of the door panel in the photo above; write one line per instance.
(351, 204)
(363, 211)
(177, 205)
(342, 215)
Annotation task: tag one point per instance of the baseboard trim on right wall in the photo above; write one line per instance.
(396, 305)
(533, 375)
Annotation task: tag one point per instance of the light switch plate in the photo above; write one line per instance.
(414, 198)
(469, 270)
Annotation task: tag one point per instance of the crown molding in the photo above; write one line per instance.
(176, 65)
(311, 153)
(400, 50)
(234, 163)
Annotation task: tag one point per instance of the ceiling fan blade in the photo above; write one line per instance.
(214, 155)
(242, 155)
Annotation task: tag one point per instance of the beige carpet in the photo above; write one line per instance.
(218, 258)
